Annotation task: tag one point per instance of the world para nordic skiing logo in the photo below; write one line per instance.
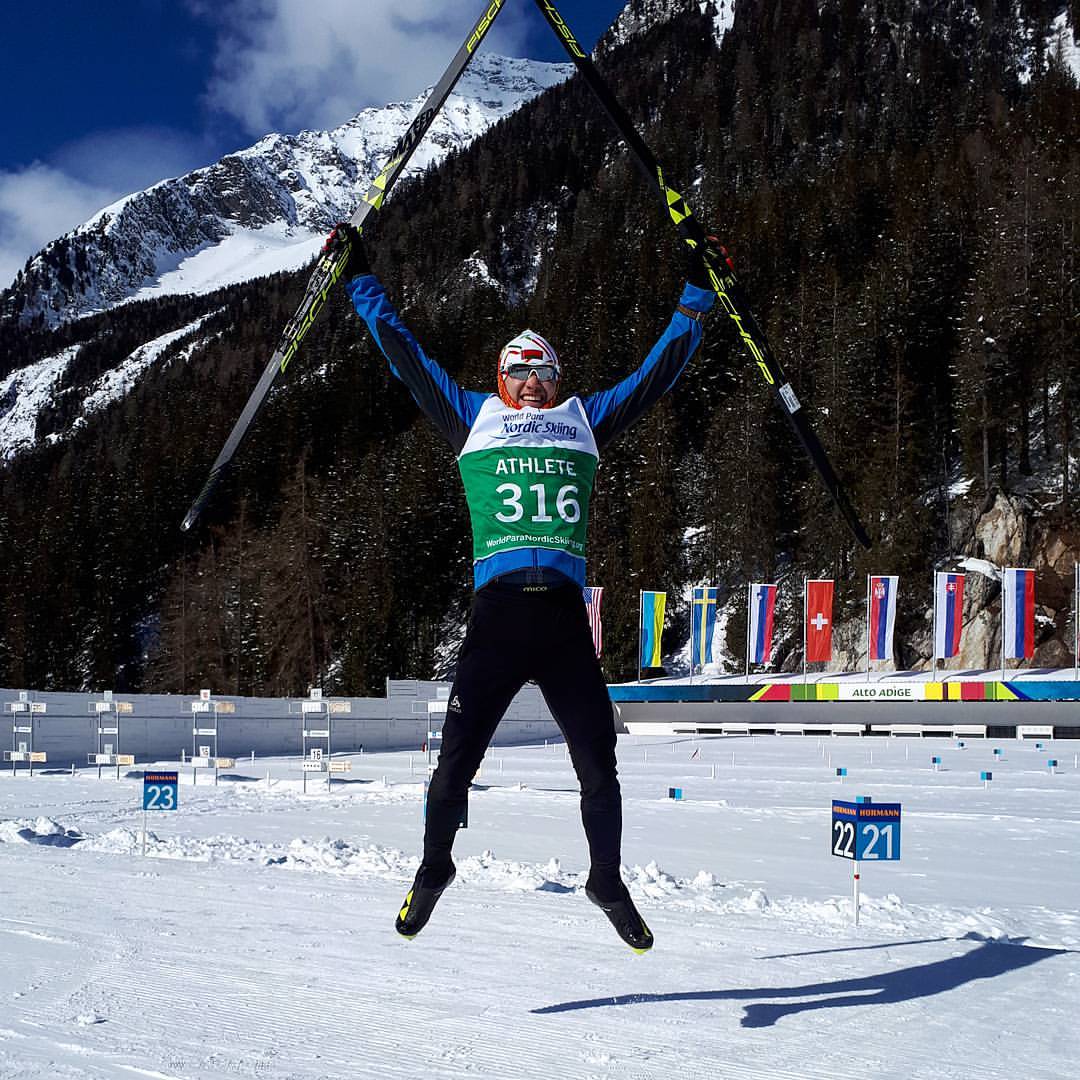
(514, 426)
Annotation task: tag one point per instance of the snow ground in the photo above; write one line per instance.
(256, 938)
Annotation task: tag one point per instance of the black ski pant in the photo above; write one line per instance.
(516, 634)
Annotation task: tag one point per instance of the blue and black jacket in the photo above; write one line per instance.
(454, 410)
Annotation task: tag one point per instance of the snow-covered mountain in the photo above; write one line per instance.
(641, 15)
(258, 211)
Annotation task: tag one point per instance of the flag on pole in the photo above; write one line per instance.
(819, 604)
(882, 615)
(762, 602)
(1018, 613)
(950, 611)
(702, 624)
(592, 606)
(651, 627)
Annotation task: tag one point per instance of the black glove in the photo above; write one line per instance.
(346, 235)
(696, 273)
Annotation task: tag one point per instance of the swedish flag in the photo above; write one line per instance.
(652, 627)
(703, 621)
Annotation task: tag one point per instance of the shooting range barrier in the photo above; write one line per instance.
(205, 730)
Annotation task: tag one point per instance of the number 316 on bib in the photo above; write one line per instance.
(866, 830)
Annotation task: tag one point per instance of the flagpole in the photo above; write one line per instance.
(867, 627)
(1004, 571)
(1076, 622)
(640, 623)
(805, 609)
(749, 598)
(935, 626)
(691, 645)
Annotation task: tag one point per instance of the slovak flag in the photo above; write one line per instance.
(762, 602)
(882, 615)
(819, 602)
(1018, 613)
(949, 589)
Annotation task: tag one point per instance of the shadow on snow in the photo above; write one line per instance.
(987, 960)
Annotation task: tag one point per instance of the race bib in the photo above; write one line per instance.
(528, 477)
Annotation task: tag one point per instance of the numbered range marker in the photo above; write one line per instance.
(161, 791)
(866, 830)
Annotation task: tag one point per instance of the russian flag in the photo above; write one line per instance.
(882, 615)
(1018, 613)
(762, 602)
(949, 590)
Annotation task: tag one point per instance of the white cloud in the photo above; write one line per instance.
(283, 65)
(38, 204)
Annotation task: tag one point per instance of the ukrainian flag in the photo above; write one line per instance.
(652, 627)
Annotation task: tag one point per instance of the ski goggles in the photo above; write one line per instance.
(544, 372)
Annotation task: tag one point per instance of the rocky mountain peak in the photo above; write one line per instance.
(260, 210)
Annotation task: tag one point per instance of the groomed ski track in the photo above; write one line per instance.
(257, 941)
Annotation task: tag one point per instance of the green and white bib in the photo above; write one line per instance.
(528, 476)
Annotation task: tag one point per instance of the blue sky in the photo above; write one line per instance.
(104, 97)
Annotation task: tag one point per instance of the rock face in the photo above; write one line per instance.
(269, 203)
(1013, 531)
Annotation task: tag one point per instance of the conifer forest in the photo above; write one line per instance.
(899, 189)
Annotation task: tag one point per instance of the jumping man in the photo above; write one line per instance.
(528, 463)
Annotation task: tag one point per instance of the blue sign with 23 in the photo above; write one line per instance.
(161, 790)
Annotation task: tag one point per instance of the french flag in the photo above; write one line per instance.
(1018, 613)
(762, 602)
(882, 612)
(950, 612)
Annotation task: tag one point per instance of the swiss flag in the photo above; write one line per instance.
(819, 598)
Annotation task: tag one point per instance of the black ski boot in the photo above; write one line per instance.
(420, 902)
(626, 919)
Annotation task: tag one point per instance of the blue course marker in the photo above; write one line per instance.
(161, 790)
(986, 775)
(674, 792)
